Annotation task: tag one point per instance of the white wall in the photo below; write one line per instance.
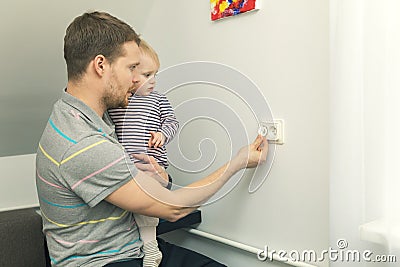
(31, 80)
(34, 73)
(17, 188)
(32, 77)
(283, 48)
(364, 56)
(286, 55)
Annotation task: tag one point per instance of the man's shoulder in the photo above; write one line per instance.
(69, 131)
(86, 145)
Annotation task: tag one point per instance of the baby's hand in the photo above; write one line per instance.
(157, 139)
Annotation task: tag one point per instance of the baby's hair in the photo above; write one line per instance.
(148, 50)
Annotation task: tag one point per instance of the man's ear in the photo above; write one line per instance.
(99, 64)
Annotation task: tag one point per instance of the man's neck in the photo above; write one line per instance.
(88, 96)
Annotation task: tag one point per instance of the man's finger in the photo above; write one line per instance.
(145, 167)
(258, 141)
(264, 151)
(151, 165)
(153, 161)
(142, 157)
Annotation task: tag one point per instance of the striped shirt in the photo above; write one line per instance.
(79, 163)
(143, 115)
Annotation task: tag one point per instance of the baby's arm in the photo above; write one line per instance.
(169, 124)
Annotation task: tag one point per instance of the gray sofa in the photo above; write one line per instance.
(22, 242)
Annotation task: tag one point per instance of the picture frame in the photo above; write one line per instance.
(228, 8)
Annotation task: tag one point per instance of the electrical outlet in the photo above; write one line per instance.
(272, 130)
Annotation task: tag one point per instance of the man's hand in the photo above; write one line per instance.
(150, 166)
(156, 140)
(255, 153)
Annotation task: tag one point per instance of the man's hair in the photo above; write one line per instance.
(149, 51)
(91, 34)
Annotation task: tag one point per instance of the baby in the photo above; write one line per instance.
(146, 126)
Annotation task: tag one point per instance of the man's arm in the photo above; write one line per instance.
(146, 196)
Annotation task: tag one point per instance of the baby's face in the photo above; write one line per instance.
(147, 71)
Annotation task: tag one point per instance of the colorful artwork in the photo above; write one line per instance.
(226, 8)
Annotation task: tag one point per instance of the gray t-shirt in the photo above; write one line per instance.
(79, 162)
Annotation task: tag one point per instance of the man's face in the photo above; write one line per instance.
(124, 77)
(147, 71)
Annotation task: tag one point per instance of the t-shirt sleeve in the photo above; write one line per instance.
(96, 167)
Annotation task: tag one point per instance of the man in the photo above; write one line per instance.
(87, 186)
